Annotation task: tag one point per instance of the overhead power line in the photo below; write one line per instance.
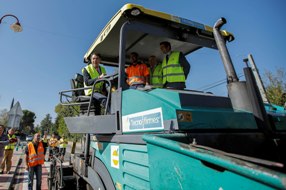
(215, 84)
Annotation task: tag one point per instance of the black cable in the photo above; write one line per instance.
(215, 84)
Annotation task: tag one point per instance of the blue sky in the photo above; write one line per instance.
(39, 62)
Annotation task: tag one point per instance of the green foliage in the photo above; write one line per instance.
(60, 123)
(4, 117)
(37, 129)
(47, 125)
(27, 121)
(65, 111)
(275, 85)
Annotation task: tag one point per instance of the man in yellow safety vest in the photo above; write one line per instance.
(8, 152)
(156, 74)
(91, 73)
(63, 146)
(53, 146)
(175, 67)
(4, 140)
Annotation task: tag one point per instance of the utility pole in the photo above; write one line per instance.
(258, 79)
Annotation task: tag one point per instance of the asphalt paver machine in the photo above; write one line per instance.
(156, 138)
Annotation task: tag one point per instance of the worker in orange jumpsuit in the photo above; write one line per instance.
(34, 160)
(137, 73)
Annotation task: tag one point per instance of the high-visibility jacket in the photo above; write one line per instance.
(12, 144)
(53, 142)
(45, 140)
(36, 158)
(156, 76)
(63, 143)
(172, 70)
(136, 74)
(94, 74)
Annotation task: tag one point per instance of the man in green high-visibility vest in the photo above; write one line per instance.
(4, 140)
(8, 152)
(175, 67)
(91, 74)
(63, 145)
(156, 74)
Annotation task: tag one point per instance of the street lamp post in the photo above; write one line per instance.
(16, 27)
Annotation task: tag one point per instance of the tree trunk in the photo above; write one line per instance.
(73, 147)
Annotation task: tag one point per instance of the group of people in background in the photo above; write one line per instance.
(57, 144)
(171, 73)
(35, 155)
(35, 152)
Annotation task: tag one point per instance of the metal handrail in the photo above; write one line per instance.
(108, 94)
(62, 93)
(106, 79)
(61, 170)
(53, 167)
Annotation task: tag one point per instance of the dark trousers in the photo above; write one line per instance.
(62, 151)
(175, 85)
(45, 145)
(37, 170)
(100, 101)
(53, 151)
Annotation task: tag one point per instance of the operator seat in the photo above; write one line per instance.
(78, 93)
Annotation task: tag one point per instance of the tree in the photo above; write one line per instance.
(62, 129)
(27, 121)
(37, 129)
(47, 125)
(65, 111)
(275, 85)
(4, 117)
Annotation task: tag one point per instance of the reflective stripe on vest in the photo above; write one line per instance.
(94, 74)
(172, 70)
(11, 146)
(34, 158)
(136, 80)
(156, 78)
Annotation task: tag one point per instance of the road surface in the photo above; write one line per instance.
(21, 177)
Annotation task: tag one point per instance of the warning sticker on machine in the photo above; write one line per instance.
(143, 121)
(114, 155)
